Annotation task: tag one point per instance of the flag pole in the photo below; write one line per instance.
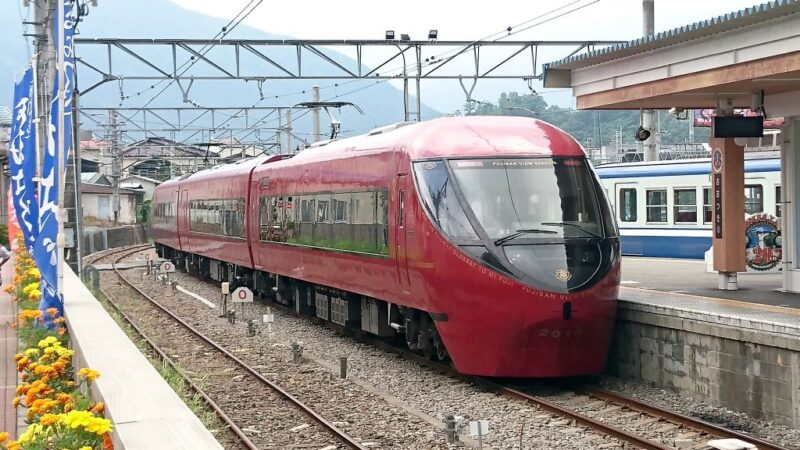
(61, 148)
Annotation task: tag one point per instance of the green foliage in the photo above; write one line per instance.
(4, 234)
(598, 126)
(143, 214)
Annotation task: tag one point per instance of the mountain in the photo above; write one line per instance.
(381, 102)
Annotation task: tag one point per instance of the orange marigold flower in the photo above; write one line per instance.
(63, 397)
(49, 419)
(89, 374)
(13, 445)
(98, 408)
(59, 320)
(61, 331)
(3, 436)
(52, 311)
(108, 444)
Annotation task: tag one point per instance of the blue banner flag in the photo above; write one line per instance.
(45, 251)
(22, 159)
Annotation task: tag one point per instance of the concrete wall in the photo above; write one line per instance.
(127, 207)
(96, 239)
(740, 364)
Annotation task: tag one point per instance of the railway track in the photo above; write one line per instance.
(638, 424)
(274, 403)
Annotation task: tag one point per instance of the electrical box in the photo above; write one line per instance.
(226, 287)
(375, 317)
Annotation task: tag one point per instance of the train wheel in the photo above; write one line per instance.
(438, 344)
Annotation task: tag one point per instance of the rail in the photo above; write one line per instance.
(349, 441)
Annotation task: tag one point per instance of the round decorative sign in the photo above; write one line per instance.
(716, 160)
(764, 242)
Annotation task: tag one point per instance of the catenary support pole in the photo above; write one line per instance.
(648, 115)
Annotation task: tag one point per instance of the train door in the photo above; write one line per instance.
(182, 214)
(401, 226)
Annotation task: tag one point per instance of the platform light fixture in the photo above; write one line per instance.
(389, 35)
(405, 37)
(433, 35)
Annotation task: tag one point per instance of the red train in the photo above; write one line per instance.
(488, 240)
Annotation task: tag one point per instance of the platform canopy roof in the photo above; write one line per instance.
(729, 59)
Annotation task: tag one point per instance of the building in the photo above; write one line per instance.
(97, 200)
(161, 159)
(748, 59)
(148, 185)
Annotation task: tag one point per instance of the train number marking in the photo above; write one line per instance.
(558, 333)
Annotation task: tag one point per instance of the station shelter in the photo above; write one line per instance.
(748, 59)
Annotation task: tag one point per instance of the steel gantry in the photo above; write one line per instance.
(262, 60)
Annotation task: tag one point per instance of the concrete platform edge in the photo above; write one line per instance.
(146, 412)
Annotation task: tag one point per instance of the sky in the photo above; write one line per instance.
(460, 20)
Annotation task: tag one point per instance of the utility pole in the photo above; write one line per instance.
(315, 114)
(115, 163)
(45, 73)
(648, 115)
(278, 137)
(289, 130)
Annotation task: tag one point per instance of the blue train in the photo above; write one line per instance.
(664, 208)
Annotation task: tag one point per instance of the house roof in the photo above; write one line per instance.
(736, 19)
(90, 188)
(141, 177)
(160, 147)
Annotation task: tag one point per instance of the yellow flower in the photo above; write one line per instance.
(75, 419)
(89, 374)
(13, 445)
(31, 352)
(99, 426)
(85, 447)
(48, 341)
(33, 430)
(3, 436)
(15, 402)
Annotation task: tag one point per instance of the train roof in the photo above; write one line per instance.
(754, 162)
(473, 136)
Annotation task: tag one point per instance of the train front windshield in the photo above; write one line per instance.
(542, 220)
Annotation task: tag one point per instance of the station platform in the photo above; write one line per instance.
(736, 349)
(688, 276)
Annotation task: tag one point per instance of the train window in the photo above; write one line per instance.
(263, 218)
(753, 199)
(306, 209)
(706, 205)
(778, 201)
(656, 205)
(323, 209)
(436, 192)
(627, 201)
(341, 204)
(685, 205)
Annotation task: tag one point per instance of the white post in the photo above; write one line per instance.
(315, 114)
(61, 144)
